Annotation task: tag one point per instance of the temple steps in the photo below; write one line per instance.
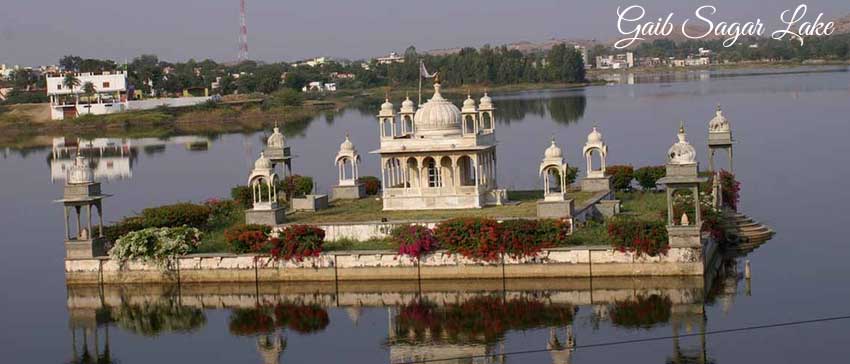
(745, 233)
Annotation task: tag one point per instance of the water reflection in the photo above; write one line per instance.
(443, 321)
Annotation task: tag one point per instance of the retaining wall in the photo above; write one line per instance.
(386, 265)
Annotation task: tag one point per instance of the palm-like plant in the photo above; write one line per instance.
(89, 90)
(70, 81)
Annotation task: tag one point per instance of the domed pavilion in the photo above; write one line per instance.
(438, 156)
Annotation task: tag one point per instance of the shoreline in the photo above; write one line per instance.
(19, 132)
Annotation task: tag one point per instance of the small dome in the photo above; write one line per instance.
(347, 145)
(553, 151)
(437, 116)
(276, 140)
(80, 173)
(387, 105)
(263, 162)
(407, 104)
(486, 102)
(469, 103)
(719, 123)
(681, 152)
(595, 137)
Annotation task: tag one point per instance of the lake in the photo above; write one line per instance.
(791, 130)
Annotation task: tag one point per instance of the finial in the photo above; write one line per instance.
(346, 134)
(682, 127)
(718, 107)
(468, 93)
(407, 95)
(437, 78)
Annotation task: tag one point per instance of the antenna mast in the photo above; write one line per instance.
(243, 33)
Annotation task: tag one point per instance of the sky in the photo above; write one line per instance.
(35, 32)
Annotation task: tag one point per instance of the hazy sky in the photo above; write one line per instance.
(40, 31)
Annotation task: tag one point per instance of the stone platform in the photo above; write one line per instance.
(354, 192)
(273, 217)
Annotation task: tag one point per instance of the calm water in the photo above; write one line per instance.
(790, 157)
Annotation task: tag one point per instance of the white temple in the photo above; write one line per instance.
(439, 156)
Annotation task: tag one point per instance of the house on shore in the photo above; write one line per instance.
(67, 103)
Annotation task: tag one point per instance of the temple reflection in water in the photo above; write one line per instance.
(434, 321)
(111, 158)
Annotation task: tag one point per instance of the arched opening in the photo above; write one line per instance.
(466, 171)
(486, 121)
(387, 128)
(469, 125)
(552, 180)
(684, 207)
(595, 162)
(408, 124)
(446, 172)
(432, 172)
(412, 172)
(393, 174)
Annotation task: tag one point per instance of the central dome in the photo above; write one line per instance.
(438, 116)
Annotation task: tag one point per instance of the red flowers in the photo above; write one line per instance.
(638, 236)
(642, 312)
(731, 189)
(248, 238)
(414, 240)
(488, 240)
(298, 242)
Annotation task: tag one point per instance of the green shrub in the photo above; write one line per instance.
(475, 238)
(572, 174)
(175, 215)
(622, 176)
(243, 196)
(641, 312)
(372, 184)
(639, 236)
(298, 242)
(222, 212)
(648, 176)
(297, 186)
(156, 245)
(244, 238)
(160, 317)
(284, 97)
(121, 228)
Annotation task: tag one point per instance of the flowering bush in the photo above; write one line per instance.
(301, 318)
(179, 214)
(156, 245)
(622, 176)
(372, 184)
(642, 312)
(248, 238)
(414, 240)
(527, 238)
(156, 318)
(298, 242)
(553, 232)
(476, 238)
(731, 189)
(251, 321)
(648, 176)
(121, 228)
(639, 236)
(481, 319)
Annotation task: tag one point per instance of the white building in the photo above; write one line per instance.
(392, 58)
(617, 61)
(439, 156)
(110, 95)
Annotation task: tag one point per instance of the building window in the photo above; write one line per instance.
(106, 85)
(58, 87)
(434, 179)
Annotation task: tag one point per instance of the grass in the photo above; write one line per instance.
(370, 209)
(213, 240)
(348, 244)
(644, 205)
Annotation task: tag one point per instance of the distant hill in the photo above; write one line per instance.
(523, 46)
(842, 25)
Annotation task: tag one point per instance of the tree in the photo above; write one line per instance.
(70, 63)
(89, 90)
(71, 82)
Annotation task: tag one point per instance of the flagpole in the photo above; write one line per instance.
(420, 84)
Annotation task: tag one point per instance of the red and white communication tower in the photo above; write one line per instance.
(243, 33)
